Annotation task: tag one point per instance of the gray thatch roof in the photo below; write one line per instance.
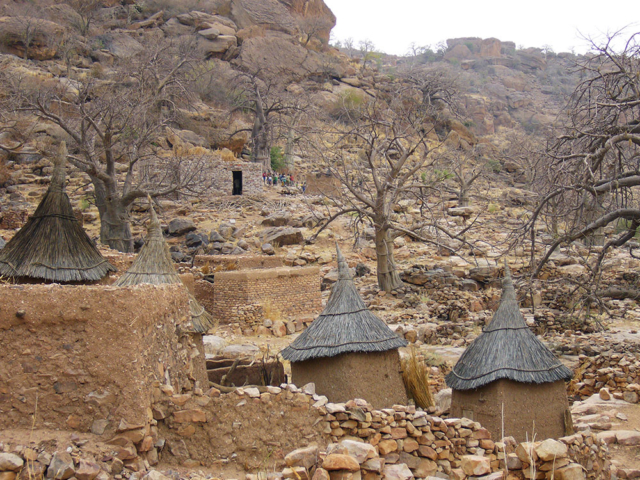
(507, 349)
(345, 326)
(154, 265)
(52, 245)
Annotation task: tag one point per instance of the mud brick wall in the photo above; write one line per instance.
(293, 292)
(221, 174)
(242, 262)
(91, 355)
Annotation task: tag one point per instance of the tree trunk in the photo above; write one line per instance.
(463, 197)
(115, 225)
(388, 277)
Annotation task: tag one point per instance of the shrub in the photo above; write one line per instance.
(277, 159)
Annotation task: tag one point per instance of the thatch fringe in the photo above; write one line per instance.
(507, 349)
(154, 265)
(415, 375)
(346, 325)
(52, 245)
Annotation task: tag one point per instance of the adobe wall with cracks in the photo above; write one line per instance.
(88, 357)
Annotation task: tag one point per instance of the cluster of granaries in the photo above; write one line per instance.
(507, 379)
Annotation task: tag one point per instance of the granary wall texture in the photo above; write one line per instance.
(221, 176)
(376, 377)
(528, 408)
(293, 292)
(90, 355)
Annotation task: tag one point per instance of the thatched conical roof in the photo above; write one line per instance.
(154, 265)
(507, 349)
(345, 326)
(52, 245)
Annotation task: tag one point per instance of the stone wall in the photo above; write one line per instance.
(241, 262)
(249, 426)
(284, 292)
(222, 178)
(87, 358)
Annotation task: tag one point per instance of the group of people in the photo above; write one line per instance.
(282, 179)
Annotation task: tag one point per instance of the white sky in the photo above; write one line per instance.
(393, 25)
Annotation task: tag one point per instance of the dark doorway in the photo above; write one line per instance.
(237, 183)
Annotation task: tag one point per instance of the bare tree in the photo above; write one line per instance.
(265, 95)
(87, 11)
(378, 154)
(456, 171)
(596, 160)
(113, 124)
(313, 27)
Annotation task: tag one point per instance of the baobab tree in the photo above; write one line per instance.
(112, 124)
(378, 150)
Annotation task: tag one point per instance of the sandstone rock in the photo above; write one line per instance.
(631, 397)
(213, 344)
(279, 328)
(397, 472)
(442, 399)
(155, 475)
(221, 44)
(526, 452)
(359, 450)
(628, 437)
(321, 474)
(120, 44)
(277, 220)
(570, 472)
(425, 468)
(233, 351)
(87, 470)
(387, 446)
(180, 226)
(185, 136)
(210, 33)
(336, 461)
(45, 35)
(267, 249)
(551, 449)
(189, 416)
(294, 473)
(267, 13)
(282, 236)
(475, 465)
(10, 462)
(61, 466)
(302, 457)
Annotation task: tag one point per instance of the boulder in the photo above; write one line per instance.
(121, 44)
(336, 461)
(442, 399)
(550, 450)
(45, 37)
(359, 450)
(267, 249)
(220, 45)
(283, 236)
(210, 33)
(570, 472)
(87, 470)
(10, 462)
(397, 472)
(302, 457)
(213, 344)
(61, 466)
(475, 465)
(246, 350)
(270, 14)
(628, 437)
(180, 226)
(277, 220)
(185, 136)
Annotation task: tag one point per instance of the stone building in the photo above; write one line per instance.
(236, 178)
(509, 379)
(347, 351)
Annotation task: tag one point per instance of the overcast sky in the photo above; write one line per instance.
(394, 25)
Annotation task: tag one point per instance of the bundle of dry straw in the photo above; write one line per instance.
(415, 374)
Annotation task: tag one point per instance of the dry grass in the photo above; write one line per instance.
(227, 266)
(415, 374)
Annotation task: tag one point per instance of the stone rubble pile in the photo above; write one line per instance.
(352, 459)
(614, 374)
